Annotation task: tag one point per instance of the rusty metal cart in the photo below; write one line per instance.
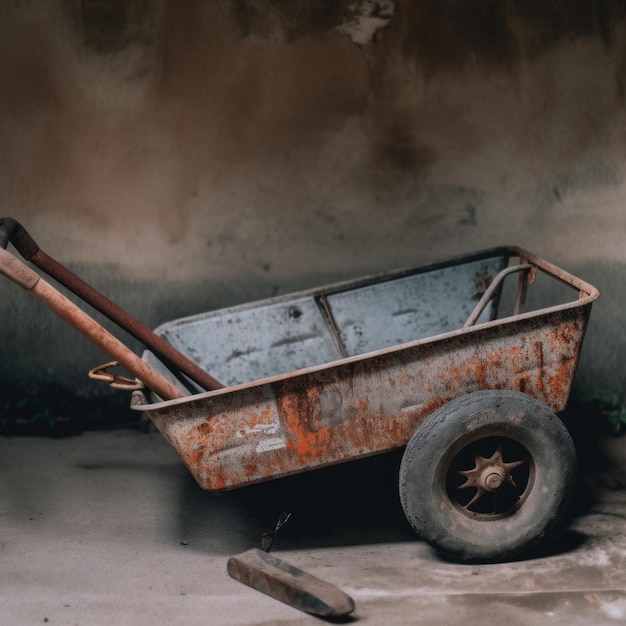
(445, 360)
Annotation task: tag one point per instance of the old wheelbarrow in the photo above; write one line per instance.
(445, 360)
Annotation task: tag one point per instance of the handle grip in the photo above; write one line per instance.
(12, 231)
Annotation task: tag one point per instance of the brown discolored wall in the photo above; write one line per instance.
(186, 156)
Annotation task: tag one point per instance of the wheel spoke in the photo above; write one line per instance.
(478, 496)
(470, 479)
(511, 466)
(496, 457)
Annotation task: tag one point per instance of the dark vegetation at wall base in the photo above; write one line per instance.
(49, 411)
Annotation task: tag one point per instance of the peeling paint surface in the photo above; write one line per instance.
(367, 19)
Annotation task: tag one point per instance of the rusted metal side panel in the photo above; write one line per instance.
(363, 406)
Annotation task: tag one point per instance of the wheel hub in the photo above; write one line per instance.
(490, 477)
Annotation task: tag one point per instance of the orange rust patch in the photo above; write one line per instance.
(298, 409)
(564, 334)
(194, 457)
(254, 419)
(538, 349)
(560, 382)
(399, 431)
(251, 469)
(218, 480)
(203, 429)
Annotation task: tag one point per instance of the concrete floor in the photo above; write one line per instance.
(109, 528)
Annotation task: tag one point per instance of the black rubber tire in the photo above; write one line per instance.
(450, 436)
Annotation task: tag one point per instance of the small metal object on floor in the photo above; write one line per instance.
(276, 578)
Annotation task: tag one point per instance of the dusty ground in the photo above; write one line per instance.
(109, 528)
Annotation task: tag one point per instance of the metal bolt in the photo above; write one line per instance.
(493, 478)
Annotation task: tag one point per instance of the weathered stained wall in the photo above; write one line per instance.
(186, 156)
